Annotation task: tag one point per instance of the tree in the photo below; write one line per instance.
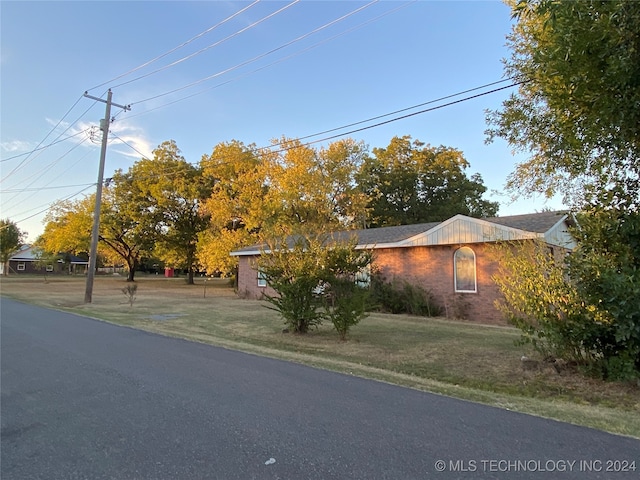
(293, 271)
(11, 239)
(576, 115)
(235, 204)
(345, 282)
(260, 195)
(126, 223)
(408, 183)
(316, 277)
(314, 190)
(168, 191)
(576, 109)
(68, 226)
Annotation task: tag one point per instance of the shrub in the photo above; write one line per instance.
(316, 279)
(401, 297)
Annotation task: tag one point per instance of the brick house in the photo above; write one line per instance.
(450, 258)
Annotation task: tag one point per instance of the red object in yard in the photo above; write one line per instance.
(168, 272)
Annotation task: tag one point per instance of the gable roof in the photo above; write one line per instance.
(550, 226)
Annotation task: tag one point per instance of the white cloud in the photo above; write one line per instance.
(16, 146)
(132, 138)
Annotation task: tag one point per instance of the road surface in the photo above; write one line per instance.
(83, 399)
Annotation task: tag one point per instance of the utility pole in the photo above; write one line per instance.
(93, 254)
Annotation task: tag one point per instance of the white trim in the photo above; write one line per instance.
(262, 280)
(455, 271)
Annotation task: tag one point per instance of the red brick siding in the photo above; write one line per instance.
(248, 279)
(430, 267)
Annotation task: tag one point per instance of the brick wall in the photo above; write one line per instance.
(430, 267)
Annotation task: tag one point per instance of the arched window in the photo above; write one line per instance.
(464, 270)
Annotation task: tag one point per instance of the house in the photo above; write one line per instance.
(27, 260)
(450, 258)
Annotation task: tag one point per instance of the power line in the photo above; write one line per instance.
(27, 160)
(42, 141)
(50, 205)
(202, 80)
(184, 44)
(209, 46)
(37, 189)
(261, 149)
(404, 116)
(407, 108)
(45, 147)
(42, 172)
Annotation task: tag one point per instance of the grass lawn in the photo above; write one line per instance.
(461, 359)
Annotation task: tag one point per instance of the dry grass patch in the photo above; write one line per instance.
(476, 362)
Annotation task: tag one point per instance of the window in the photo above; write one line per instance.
(262, 280)
(21, 266)
(464, 270)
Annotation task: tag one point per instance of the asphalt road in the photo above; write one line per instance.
(83, 399)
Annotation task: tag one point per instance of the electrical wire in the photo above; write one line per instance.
(184, 44)
(23, 162)
(45, 147)
(27, 160)
(238, 77)
(172, 64)
(400, 118)
(49, 205)
(266, 149)
(37, 189)
(41, 173)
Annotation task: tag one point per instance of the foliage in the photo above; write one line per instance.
(607, 268)
(576, 110)
(343, 284)
(316, 277)
(11, 239)
(235, 204)
(314, 190)
(44, 259)
(556, 317)
(68, 226)
(293, 272)
(172, 190)
(576, 114)
(409, 183)
(126, 224)
(540, 301)
(258, 195)
(402, 297)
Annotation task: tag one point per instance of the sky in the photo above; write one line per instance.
(207, 72)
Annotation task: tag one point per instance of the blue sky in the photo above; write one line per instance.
(324, 71)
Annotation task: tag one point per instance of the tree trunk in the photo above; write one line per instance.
(131, 264)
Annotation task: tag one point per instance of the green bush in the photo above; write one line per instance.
(401, 297)
(316, 278)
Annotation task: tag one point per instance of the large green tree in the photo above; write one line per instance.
(576, 116)
(409, 182)
(576, 113)
(167, 191)
(11, 238)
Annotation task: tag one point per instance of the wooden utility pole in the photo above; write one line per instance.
(95, 231)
